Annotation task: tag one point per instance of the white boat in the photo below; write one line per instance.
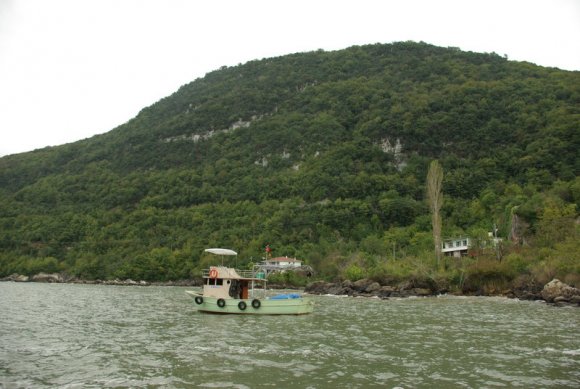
(230, 291)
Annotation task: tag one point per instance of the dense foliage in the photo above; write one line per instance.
(324, 156)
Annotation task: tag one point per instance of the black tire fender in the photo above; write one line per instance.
(221, 303)
(198, 300)
(242, 305)
(256, 303)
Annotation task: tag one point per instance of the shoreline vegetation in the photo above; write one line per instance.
(554, 292)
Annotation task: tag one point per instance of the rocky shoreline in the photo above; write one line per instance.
(64, 279)
(554, 292)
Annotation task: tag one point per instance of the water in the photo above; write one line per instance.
(94, 336)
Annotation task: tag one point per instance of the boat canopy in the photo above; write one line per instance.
(221, 251)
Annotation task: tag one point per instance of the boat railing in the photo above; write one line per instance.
(242, 273)
(246, 273)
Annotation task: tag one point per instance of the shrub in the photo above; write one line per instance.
(516, 263)
(287, 278)
(354, 272)
(487, 276)
(390, 273)
(562, 262)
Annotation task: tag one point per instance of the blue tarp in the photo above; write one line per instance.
(285, 296)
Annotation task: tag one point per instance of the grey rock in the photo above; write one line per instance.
(47, 277)
(422, 292)
(373, 288)
(557, 288)
(21, 278)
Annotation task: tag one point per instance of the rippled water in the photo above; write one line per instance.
(73, 336)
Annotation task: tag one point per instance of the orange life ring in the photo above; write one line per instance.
(213, 273)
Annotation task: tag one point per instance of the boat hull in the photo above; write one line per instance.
(294, 306)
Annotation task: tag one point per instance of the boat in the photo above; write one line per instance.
(228, 290)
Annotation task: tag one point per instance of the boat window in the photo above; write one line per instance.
(215, 281)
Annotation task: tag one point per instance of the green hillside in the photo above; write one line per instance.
(323, 155)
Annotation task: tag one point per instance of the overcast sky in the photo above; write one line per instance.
(70, 69)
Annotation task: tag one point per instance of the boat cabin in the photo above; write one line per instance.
(227, 283)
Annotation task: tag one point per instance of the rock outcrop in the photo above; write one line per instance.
(526, 287)
(16, 278)
(560, 293)
(48, 277)
(367, 288)
(555, 292)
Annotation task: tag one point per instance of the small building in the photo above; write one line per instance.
(463, 246)
(456, 247)
(282, 262)
(281, 265)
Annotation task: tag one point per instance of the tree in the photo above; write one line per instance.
(557, 223)
(435, 200)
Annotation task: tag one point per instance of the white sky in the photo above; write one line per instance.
(70, 69)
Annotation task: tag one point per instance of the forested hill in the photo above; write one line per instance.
(323, 155)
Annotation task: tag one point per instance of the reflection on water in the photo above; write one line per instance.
(73, 336)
